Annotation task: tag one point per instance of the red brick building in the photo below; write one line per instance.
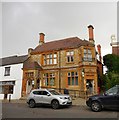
(67, 63)
(115, 45)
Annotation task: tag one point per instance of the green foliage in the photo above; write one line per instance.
(111, 61)
(111, 78)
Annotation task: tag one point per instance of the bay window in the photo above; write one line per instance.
(87, 55)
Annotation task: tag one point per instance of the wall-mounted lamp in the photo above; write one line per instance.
(83, 72)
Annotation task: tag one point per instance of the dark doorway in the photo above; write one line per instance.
(5, 96)
(38, 83)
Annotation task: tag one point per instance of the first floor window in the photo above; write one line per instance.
(72, 78)
(50, 59)
(87, 55)
(7, 71)
(49, 79)
(70, 56)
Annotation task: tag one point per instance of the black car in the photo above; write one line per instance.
(109, 99)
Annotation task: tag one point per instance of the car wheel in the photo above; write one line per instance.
(55, 104)
(96, 106)
(32, 103)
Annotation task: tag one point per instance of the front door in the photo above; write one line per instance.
(90, 86)
(6, 91)
(29, 86)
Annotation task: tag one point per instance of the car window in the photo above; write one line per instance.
(44, 92)
(37, 93)
(112, 91)
(40, 92)
(53, 92)
(118, 91)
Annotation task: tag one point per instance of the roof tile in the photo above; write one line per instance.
(12, 60)
(60, 44)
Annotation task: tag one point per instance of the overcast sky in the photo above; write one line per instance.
(22, 22)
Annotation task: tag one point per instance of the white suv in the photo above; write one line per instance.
(49, 97)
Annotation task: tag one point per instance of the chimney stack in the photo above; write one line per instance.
(91, 36)
(29, 51)
(99, 52)
(41, 38)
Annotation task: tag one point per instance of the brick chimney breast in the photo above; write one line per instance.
(41, 38)
(90, 28)
(99, 52)
(29, 51)
(99, 49)
(91, 35)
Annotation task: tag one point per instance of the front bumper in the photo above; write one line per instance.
(68, 103)
(88, 103)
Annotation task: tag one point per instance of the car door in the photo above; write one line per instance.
(110, 98)
(46, 97)
(37, 96)
(110, 101)
(118, 99)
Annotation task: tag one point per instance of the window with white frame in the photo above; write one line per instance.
(87, 55)
(7, 71)
(70, 56)
(49, 59)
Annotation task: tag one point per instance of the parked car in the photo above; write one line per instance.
(48, 97)
(109, 99)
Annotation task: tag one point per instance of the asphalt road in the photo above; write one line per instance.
(21, 110)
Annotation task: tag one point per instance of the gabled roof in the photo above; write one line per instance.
(31, 65)
(13, 60)
(72, 42)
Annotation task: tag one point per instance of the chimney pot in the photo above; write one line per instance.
(90, 26)
(41, 38)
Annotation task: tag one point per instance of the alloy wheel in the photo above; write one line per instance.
(55, 104)
(95, 106)
(31, 103)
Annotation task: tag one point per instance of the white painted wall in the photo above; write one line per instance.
(15, 75)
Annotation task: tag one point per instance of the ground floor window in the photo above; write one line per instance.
(49, 79)
(7, 87)
(72, 78)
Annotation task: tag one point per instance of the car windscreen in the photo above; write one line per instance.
(112, 91)
(53, 92)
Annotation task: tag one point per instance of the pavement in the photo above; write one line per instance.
(75, 101)
(79, 101)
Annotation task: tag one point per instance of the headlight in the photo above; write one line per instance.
(61, 97)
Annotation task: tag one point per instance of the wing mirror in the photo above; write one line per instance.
(105, 94)
(48, 94)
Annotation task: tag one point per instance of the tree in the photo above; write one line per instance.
(111, 61)
(111, 78)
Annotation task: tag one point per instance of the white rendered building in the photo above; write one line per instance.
(11, 77)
